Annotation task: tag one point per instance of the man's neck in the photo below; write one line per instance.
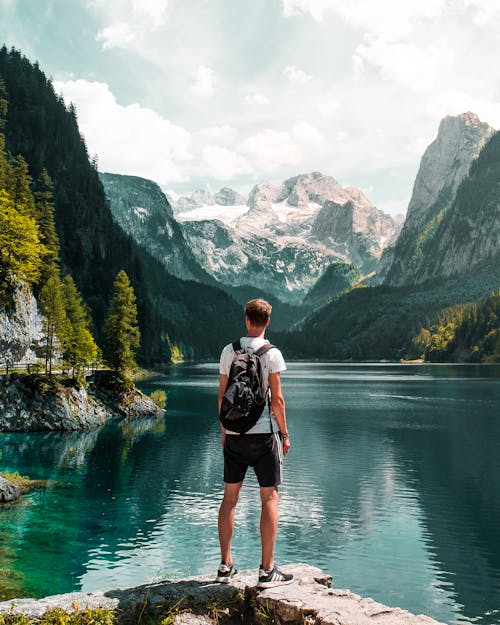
(256, 333)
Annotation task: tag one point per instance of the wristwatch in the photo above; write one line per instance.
(283, 436)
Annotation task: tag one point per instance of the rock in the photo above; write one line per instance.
(444, 165)
(35, 403)
(309, 599)
(8, 491)
(229, 197)
(20, 327)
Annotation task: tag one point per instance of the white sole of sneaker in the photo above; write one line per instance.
(264, 585)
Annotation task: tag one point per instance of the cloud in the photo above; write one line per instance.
(294, 74)
(203, 81)
(271, 149)
(223, 164)
(128, 139)
(224, 134)
(387, 18)
(256, 98)
(418, 68)
(117, 35)
(154, 10)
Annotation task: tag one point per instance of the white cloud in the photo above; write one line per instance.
(203, 81)
(270, 149)
(154, 10)
(387, 18)
(224, 134)
(418, 68)
(223, 164)
(256, 98)
(117, 35)
(294, 74)
(127, 139)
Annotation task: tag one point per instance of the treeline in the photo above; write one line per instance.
(466, 332)
(172, 313)
(30, 254)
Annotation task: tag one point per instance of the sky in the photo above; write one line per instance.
(211, 93)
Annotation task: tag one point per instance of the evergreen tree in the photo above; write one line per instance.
(80, 347)
(19, 187)
(121, 329)
(46, 223)
(4, 163)
(20, 248)
(56, 324)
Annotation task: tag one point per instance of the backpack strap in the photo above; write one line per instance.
(263, 350)
(237, 346)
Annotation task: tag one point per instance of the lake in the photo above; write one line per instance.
(392, 486)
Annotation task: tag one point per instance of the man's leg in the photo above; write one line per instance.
(268, 524)
(226, 519)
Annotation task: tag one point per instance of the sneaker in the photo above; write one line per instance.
(269, 579)
(225, 573)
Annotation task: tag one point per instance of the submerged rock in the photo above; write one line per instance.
(8, 491)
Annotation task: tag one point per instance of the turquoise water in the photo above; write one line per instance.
(392, 486)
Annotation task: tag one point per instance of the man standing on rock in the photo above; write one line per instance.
(261, 447)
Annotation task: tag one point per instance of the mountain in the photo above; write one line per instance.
(200, 198)
(287, 235)
(197, 317)
(444, 165)
(335, 281)
(140, 207)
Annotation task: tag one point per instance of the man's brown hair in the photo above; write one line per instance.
(258, 312)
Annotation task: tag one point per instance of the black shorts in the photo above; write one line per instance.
(263, 452)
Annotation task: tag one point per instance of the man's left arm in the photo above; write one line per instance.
(278, 408)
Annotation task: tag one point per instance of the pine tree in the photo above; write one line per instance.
(56, 324)
(44, 205)
(121, 329)
(5, 168)
(20, 247)
(80, 347)
(19, 187)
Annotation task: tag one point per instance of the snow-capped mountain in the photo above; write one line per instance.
(286, 235)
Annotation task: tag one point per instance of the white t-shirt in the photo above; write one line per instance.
(272, 362)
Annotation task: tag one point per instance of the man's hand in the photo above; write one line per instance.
(286, 445)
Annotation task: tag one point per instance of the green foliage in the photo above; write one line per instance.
(120, 327)
(58, 616)
(469, 332)
(44, 210)
(56, 325)
(160, 398)
(20, 248)
(19, 187)
(79, 346)
(23, 482)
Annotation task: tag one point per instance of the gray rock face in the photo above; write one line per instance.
(444, 165)
(8, 491)
(201, 196)
(35, 403)
(309, 599)
(140, 207)
(20, 328)
(26, 405)
(229, 197)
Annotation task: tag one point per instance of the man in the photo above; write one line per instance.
(262, 448)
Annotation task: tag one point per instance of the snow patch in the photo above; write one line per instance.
(226, 214)
(141, 212)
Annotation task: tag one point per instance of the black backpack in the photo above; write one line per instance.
(245, 399)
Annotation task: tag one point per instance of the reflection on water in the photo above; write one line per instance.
(392, 486)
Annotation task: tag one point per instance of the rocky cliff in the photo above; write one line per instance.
(35, 403)
(444, 165)
(140, 207)
(20, 327)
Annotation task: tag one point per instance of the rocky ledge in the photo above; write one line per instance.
(309, 600)
(34, 402)
(8, 491)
